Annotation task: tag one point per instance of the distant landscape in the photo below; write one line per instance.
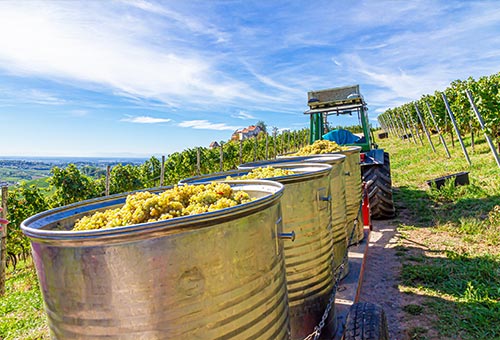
(13, 170)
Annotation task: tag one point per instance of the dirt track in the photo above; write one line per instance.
(382, 269)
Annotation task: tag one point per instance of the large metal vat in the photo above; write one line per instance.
(353, 190)
(217, 275)
(338, 201)
(308, 260)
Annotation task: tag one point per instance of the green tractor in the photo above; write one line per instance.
(375, 165)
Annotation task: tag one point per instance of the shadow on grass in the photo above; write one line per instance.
(426, 208)
(462, 291)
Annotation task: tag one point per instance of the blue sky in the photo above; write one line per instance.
(141, 78)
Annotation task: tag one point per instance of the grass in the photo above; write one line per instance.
(21, 309)
(413, 309)
(450, 237)
(417, 333)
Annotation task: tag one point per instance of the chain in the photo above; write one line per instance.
(317, 329)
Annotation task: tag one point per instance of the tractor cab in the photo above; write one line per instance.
(345, 102)
(375, 164)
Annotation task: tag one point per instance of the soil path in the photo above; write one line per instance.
(381, 276)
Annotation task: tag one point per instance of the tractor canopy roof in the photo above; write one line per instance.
(339, 100)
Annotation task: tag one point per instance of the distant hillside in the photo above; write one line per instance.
(13, 172)
(36, 171)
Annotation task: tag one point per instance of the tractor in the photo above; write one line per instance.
(375, 164)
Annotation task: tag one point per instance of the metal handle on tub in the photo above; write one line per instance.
(287, 236)
(326, 198)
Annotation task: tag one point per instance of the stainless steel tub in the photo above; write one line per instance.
(217, 275)
(338, 202)
(308, 260)
(353, 189)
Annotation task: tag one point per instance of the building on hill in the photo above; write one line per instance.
(214, 145)
(248, 132)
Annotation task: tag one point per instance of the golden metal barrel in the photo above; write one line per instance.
(339, 216)
(353, 189)
(309, 267)
(338, 202)
(216, 275)
(353, 193)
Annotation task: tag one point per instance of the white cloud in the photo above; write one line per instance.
(79, 113)
(268, 81)
(206, 125)
(243, 115)
(145, 120)
(212, 55)
(190, 22)
(43, 97)
(30, 96)
(95, 45)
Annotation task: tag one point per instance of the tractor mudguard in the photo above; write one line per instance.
(375, 156)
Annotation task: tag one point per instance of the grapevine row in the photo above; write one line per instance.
(70, 184)
(485, 94)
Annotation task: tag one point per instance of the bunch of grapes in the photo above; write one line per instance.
(178, 201)
(320, 147)
(266, 172)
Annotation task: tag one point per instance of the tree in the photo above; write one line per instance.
(150, 171)
(262, 125)
(275, 131)
(23, 202)
(124, 178)
(70, 185)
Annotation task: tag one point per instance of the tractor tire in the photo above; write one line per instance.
(379, 188)
(366, 321)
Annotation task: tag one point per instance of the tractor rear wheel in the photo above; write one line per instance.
(366, 321)
(379, 188)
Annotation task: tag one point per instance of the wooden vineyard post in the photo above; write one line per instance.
(401, 133)
(383, 125)
(162, 171)
(255, 149)
(274, 144)
(441, 138)
(108, 174)
(424, 127)
(452, 117)
(415, 128)
(198, 161)
(391, 124)
(481, 123)
(396, 124)
(221, 156)
(267, 146)
(3, 242)
(241, 151)
(387, 126)
(471, 136)
(405, 133)
(409, 129)
(394, 131)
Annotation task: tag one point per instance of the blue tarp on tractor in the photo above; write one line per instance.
(341, 137)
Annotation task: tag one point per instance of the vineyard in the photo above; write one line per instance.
(464, 108)
(70, 184)
(446, 240)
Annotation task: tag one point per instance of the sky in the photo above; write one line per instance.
(138, 78)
